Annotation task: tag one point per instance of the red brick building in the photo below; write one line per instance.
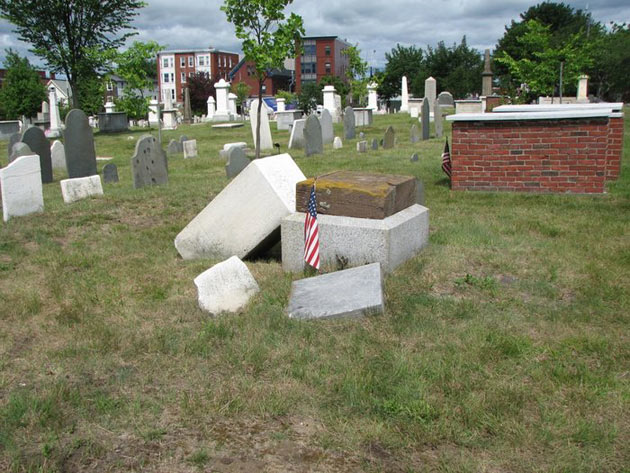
(321, 56)
(176, 66)
(278, 79)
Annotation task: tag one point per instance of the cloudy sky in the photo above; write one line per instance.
(376, 25)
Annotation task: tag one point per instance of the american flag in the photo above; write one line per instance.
(446, 160)
(311, 232)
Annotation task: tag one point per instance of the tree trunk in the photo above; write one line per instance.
(258, 113)
(75, 102)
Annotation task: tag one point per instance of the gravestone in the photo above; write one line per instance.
(14, 138)
(236, 161)
(349, 127)
(389, 138)
(35, 138)
(446, 99)
(190, 149)
(337, 143)
(354, 292)
(174, 147)
(58, 155)
(187, 111)
(265, 131)
(296, 140)
(182, 138)
(81, 188)
(413, 133)
(414, 157)
(430, 91)
(20, 149)
(361, 136)
(326, 122)
(437, 120)
(110, 173)
(79, 145)
(149, 164)
(21, 187)
(313, 136)
(374, 144)
(362, 146)
(426, 119)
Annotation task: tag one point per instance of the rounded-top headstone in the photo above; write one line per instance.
(79, 145)
(110, 173)
(20, 149)
(149, 164)
(35, 138)
(14, 138)
(349, 125)
(313, 143)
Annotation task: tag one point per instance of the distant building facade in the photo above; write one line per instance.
(176, 66)
(277, 79)
(321, 56)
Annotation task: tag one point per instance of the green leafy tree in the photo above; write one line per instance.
(268, 38)
(22, 92)
(289, 97)
(65, 34)
(611, 67)
(541, 72)
(241, 90)
(309, 97)
(401, 61)
(356, 73)
(200, 87)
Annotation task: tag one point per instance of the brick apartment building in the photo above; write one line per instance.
(44, 76)
(277, 79)
(176, 66)
(321, 56)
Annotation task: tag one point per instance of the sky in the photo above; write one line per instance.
(376, 25)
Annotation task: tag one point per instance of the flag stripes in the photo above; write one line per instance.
(311, 232)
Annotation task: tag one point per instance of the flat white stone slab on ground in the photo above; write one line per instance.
(226, 287)
(229, 125)
(350, 293)
(390, 241)
(246, 214)
(81, 188)
(240, 144)
(21, 187)
(190, 149)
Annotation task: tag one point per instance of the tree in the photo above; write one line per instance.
(66, 34)
(200, 87)
(268, 38)
(401, 61)
(241, 90)
(309, 97)
(611, 68)
(22, 92)
(541, 72)
(356, 74)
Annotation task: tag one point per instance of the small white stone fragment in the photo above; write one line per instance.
(81, 188)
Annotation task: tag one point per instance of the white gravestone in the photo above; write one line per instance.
(81, 188)
(330, 104)
(265, 131)
(232, 103)
(337, 143)
(222, 89)
(430, 91)
(211, 108)
(58, 155)
(372, 97)
(296, 139)
(21, 187)
(281, 103)
(190, 149)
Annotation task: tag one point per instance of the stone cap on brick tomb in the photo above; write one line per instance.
(517, 116)
(611, 106)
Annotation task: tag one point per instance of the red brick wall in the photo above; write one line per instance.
(531, 155)
(243, 75)
(615, 148)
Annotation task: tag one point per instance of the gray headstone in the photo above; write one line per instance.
(362, 146)
(187, 111)
(389, 138)
(414, 157)
(437, 120)
(326, 122)
(174, 147)
(426, 119)
(349, 126)
(413, 134)
(14, 138)
(182, 139)
(381, 142)
(79, 145)
(20, 149)
(110, 173)
(35, 138)
(236, 161)
(374, 143)
(446, 98)
(353, 292)
(313, 136)
(149, 164)
(419, 192)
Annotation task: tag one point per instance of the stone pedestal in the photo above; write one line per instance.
(582, 93)
(222, 89)
(372, 97)
(110, 107)
(232, 104)
(328, 94)
(169, 119)
(153, 112)
(281, 105)
(212, 106)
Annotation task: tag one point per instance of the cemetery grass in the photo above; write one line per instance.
(504, 346)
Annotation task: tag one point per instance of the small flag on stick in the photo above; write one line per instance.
(311, 232)
(446, 160)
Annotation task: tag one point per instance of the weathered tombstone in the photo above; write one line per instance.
(183, 138)
(21, 187)
(58, 155)
(361, 136)
(337, 143)
(374, 143)
(437, 120)
(414, 157)
(446, 99)
(265, 131)
(81, 188)
(190, 149)
(426, 119)
(430, 91)
(413, 134)
(174, 147)
(14, 138)
(349, 127)
(110, 173)
(236, 161)
(149, 163)
(35, 138)
(296, 139)
(362, 146)
(79, 145)
(20, 149)
(388, 139)
(326, 122)
(313, 136)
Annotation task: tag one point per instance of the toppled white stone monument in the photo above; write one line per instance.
(81, 188)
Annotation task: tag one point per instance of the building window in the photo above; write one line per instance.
(110, 87)
(165, 79)
(183, 77)
(172, 61)
(309, 68)
(182, 62)
(165, 62)
(172, 94)
(201, 60)
(310, 49)
(328, 68)
(191, 61)
(172, 77)
(327, 50)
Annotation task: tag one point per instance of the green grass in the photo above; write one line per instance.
(504, 346)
